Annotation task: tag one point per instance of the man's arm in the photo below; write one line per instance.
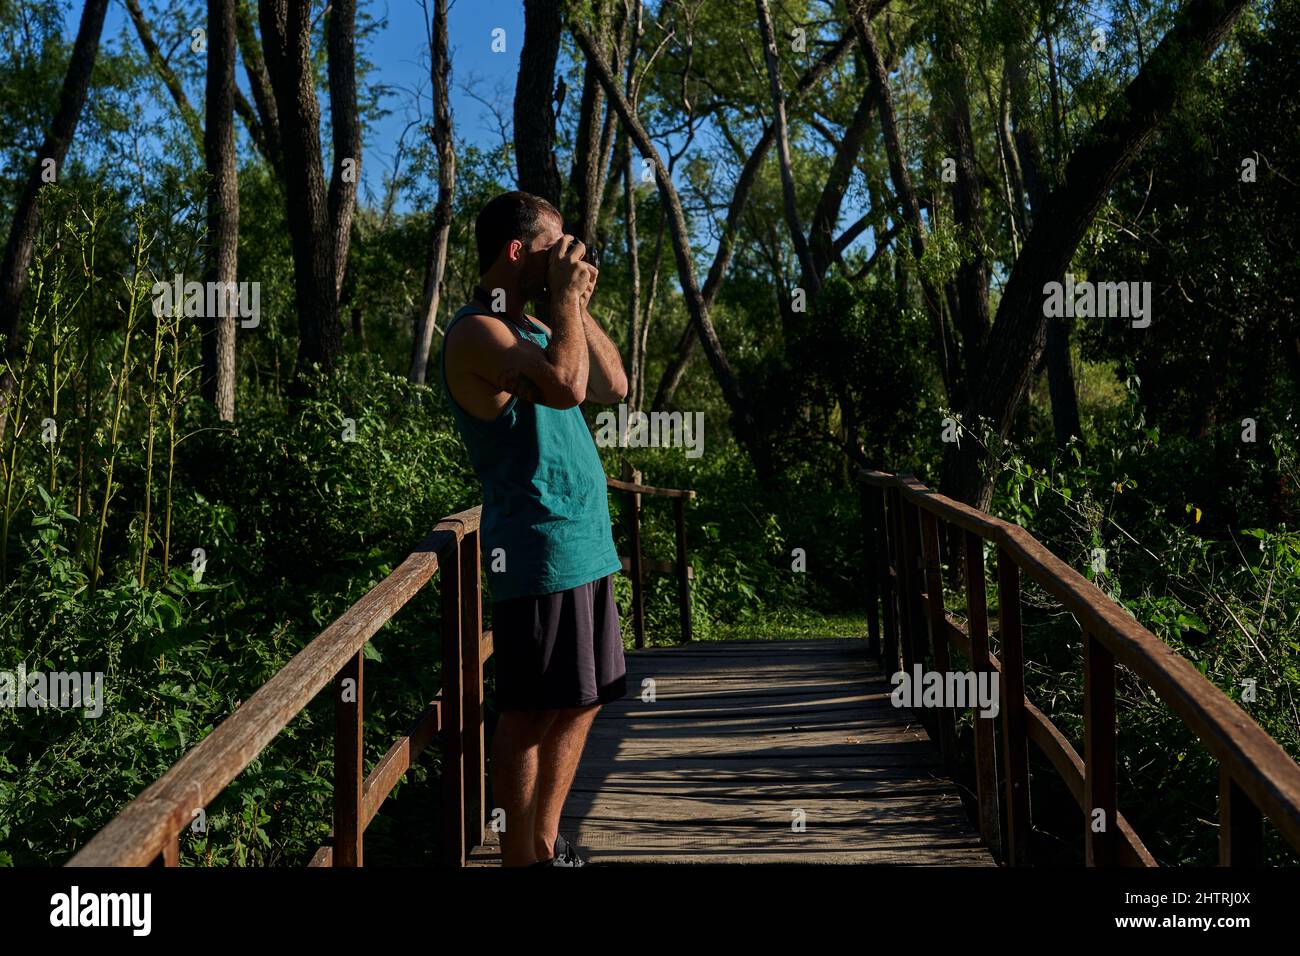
(555, 376)
(606, 380)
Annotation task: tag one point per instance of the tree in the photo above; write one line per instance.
(1017, 337)
(742, 418)
(286, 39)
(440, 65)
(218, 336)
(534, 118)
(677, 364)
(342, 29)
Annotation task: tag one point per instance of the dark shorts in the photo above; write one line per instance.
(559, 650)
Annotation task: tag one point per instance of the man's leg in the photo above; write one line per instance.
(516, 757)
(558, 757)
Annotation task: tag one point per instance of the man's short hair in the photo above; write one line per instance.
(513, 215)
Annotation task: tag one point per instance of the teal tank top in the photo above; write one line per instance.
(545, 524)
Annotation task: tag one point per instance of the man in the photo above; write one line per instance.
(515, 386)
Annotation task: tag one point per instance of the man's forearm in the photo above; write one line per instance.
(606, 382)
(568, 349)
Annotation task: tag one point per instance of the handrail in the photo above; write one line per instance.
(150, 824)
(1256, 775)
(636, 566)
(647, 490)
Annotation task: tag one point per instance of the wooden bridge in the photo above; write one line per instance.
(760, 752)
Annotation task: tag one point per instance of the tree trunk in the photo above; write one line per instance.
(971, 314)
(286, 38)
(342, 33)
(583, 208)
(635, 359)
(22, 233)
(1060, 382)
(259, 81)
(534, 101)
(821, 233)
(218, 332)
(811, 281)
(631, 31)
(445, 148)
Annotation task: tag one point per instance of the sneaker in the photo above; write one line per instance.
(566, 854)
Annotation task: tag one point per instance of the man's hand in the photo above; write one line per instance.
(566, 273)
(591, 288)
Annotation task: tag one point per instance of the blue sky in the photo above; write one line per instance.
(401, 61)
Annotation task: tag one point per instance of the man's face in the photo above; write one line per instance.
(535, 258)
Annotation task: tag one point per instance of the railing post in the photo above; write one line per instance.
(171, 852)
(906, 589)
(1101, 846)
(977, 624)
(871, 557)
(634, 543)
(938, 633)
(453, 695)
(888, 551)
(471, 593)
(683, 579)
(916, 571)
(1015, 739)
(349, 773)
(917, 626)
(1241, 825)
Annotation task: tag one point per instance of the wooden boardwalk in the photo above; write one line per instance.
(743, 740)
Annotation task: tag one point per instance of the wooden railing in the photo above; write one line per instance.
(147, 831)
(902, 520)
(636, 566)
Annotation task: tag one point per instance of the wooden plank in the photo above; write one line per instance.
(893, 557)
(741, 767)
(1241, 826)
(986, 782)
(349, 701)
(933, 573)
(636, 567)
(1101, 806)
(870, 571)
(684, 571)
(453, 713)
(907, 588)
(1015, 744)
(636, 487)
(473, 750)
